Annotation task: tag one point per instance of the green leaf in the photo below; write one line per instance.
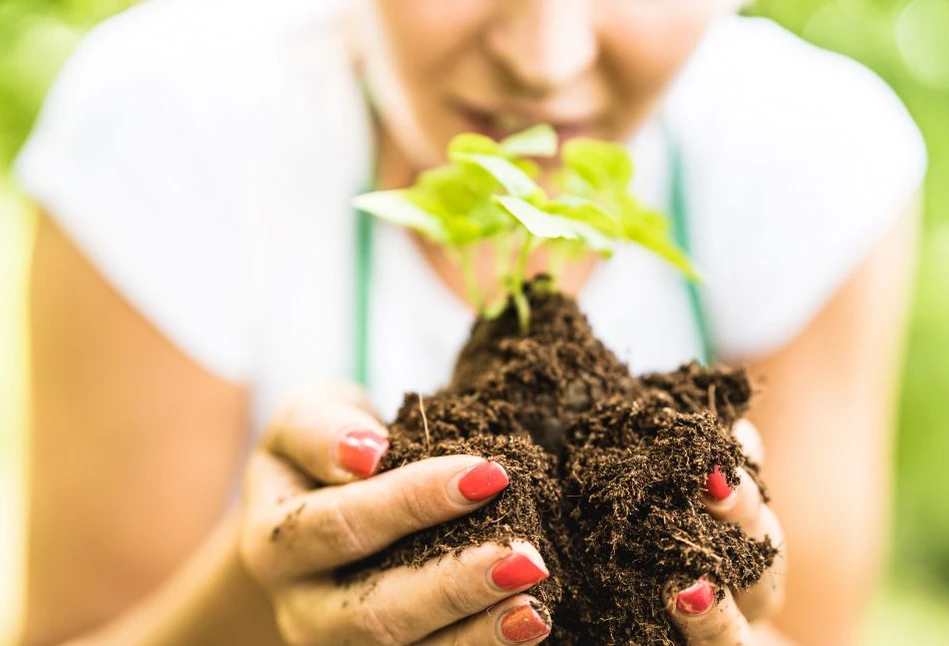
(537, 222)
(603, 165)
(470, 142)
(596, 241)
(581, 210)
(397, 208)
(529, 166)
(490, 217)
(515, 181)
(451, 190)
(652, 230)
(553, 227)
(634, 215)
(537, 141)
(668, 251)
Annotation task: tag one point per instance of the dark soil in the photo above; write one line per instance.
(606, 471)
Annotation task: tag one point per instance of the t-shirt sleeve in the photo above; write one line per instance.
(117, 159)
(798, 164)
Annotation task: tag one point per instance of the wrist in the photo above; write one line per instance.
(210, 599)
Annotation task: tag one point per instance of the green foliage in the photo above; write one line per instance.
(489, 192)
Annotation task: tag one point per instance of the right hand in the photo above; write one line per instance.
(295, 532)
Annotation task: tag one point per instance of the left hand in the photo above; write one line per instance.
(741, 617)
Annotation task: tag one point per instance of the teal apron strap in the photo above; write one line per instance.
(679, 207)
(363, 267)
(361, 309)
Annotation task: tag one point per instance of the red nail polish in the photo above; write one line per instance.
(716, 486)
(360, 452)
(523, 624)
(697, 598)
(517, 571)
(482, 481)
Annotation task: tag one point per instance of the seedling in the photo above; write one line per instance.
(489, 192)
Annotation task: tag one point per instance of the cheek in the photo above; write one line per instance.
(419, 45)
(424, 36)
(645, 53)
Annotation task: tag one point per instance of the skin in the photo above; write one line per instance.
(117, 408)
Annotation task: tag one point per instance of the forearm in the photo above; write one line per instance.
(834, 517)
(827, 415)
(210, 600)
(828, 472)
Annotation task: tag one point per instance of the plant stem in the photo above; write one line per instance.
(521, 267)
(520, 273)
(523, 308)
(475, 295)
(558, 259)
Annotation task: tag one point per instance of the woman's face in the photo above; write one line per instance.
(588, 67)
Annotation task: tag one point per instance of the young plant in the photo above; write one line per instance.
(488, 192)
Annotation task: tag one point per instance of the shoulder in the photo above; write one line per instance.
(224, 81)
(755, 87)
(189, 50)
(189, 36)
(183, 140)
(797, 161)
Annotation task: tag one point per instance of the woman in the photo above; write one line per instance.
(196, 263)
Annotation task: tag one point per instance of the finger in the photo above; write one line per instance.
(745, 507)
(704, 621)
(403, 605)
(716, 484)
(333, 526)
(766, 597)
(270, 480)
(740, 505)
(750, 439)
(413, 603)
(518, 620)
(329, 433)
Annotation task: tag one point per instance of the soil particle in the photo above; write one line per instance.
(606, 472)
(288, 522)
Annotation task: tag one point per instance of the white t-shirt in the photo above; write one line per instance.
(203, 155)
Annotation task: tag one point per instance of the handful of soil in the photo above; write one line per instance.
(606, 471)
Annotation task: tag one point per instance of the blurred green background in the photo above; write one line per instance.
(905, 41)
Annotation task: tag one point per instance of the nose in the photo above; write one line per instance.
(543, 44)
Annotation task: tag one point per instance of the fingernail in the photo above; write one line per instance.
(697, 598)
(360, 452)
(716, 486)
(482, 481)
(518, 571)
(523, 624)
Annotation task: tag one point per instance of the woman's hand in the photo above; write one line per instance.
(312, 504)
(740, 617)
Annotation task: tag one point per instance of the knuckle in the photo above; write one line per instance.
(286, 411)
(340, 533)
(750, 505)
(771, 526)
(377, 628)
(416, 504)
(257, 554)
(456, 598)
(750, 439)
(291, 629)
(766, 598)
